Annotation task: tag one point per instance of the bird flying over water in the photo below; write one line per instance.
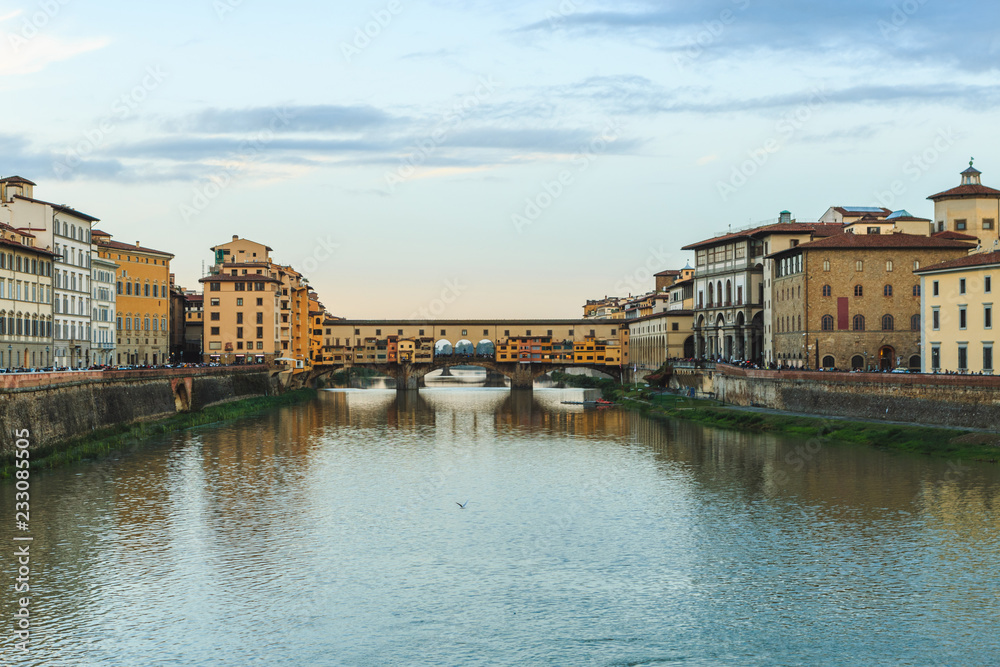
(461, 505)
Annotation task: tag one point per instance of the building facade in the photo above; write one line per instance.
(956, 309)
(852, 301)
(970, 208)
(103, 334)
(142, 294)
(25, 301)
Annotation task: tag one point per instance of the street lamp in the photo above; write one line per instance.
(10, 357)
(46, 356)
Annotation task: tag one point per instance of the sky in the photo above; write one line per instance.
(484, 159)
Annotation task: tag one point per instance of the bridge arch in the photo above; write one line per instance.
(443, 347)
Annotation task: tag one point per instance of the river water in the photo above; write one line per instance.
(330, 533)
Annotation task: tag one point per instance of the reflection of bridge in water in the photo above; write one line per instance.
(408, 350)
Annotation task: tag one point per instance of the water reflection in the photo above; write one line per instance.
(592, 536)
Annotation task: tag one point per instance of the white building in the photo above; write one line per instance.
(67, 232)
(102, 330)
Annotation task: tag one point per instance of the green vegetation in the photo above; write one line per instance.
(116, 438)
(950, 443)
(609, 387)
(343, 377)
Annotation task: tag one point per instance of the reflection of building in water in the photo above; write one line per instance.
(523, 409)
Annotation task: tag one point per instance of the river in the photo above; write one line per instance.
(330, 533)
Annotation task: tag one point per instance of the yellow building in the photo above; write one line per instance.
(142, 300)
(956, 308)
(241, 304)
(25, 301)
(314, 326)
(970, 208)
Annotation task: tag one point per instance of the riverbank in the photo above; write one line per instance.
(967, 445)
(102, 442)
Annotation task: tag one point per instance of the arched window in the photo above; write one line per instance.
(146, 324)
(887, 323)
(800, 323)
(915, 323)
(128, 324)
(119, 287)
(916, 290)
(828, 323)
(887, 290)
(128, 289)
(145, 291)
(859, 322)
(888, 266)
(857, 362)
(859, 290)
(711, 294)
(729, 293)
(828, 362)
(827, 290)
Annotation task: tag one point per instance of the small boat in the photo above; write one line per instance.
(599, 402)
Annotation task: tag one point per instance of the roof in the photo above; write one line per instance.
(897, 241)
(668, 272)
(27, 248)
(978, 259)
(967, 192)
(269, 249)
(659, 315)
(958, 236)
(116, 245)
(62, 208)
(253, 278)
(16, 179)
(98, 232)
(817, 229)
(852, 211)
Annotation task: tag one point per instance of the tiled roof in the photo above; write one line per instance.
(255, 278)
(115, 245)
(900, 241)
(966, 192)
(978, 259)
(16, 179)
(668, 272)
(958, 236)
(59, 207)
(862, 210)
(817, 228)
(21, 246)
(98, 232)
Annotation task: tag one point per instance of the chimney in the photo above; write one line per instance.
(235, 237)
(785, 216)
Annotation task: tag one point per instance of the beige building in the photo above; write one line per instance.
(852, 301)
(25, 301)
(957, 314)
(970, 208)
(241, 305)
(656, 338)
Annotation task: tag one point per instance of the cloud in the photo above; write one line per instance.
(292, 118)
(27, 56)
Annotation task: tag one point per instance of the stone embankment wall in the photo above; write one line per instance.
(948, 400)
(56, 407)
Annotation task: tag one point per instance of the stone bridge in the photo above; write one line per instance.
(411, 376)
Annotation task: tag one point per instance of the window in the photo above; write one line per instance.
(260, 332)
(858, 290)
(936, 319)
(887, 290)
(988, 316)
(916, 290)
(214, 287)
(988, 224)
(859, 265)
(935, 357)
(961, 285)
(988, 284)
(239, 302)
(827, 323)
(239, 332)
(963, 357)
(260, 302)
(888, 324)
(239, 318)
(214, 316)
(214, 301)
(827, 290)
(260, 318)
(935, 288)
(915, 323)
(960, 225)
(888, 266)
(961, 317)
(826, 265)
(859, 322)
(988, 357)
